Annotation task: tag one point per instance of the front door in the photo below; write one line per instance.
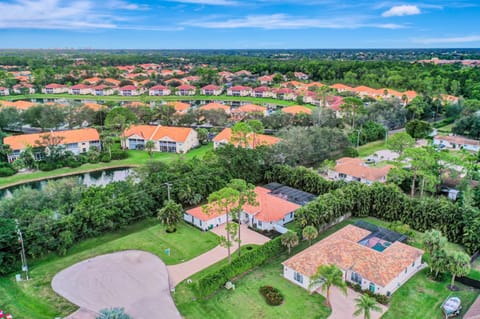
(372, 287)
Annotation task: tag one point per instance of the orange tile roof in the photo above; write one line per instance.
(93, 80)
(112, 81)
(152, 132)
(19, 105)
(340, 86)
(20, 142)
(297, 109)
(179, 106)
(94, 106)
(254, 140)
(343, 250)
(270, 208)
(249, 108)
(215, 106)
(356, 167)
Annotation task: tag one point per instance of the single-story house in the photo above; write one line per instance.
(185, 89)
(354, 169)
(341, 87)
(112, 82)
(4, 91)
(215, 106)
(159, 90)
(211, 90)
(239, 90)
(254, 139)
(75, 141)
(166, 138)
(266, 79)
(180, 107)
(457, 143)
(22, 88)
(92, 81)
(367, 258)
(103, 90)
(272, 211)
(245, 109)
(80, 89)
(54, 88)
(129, 90)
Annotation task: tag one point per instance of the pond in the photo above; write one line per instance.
(95, 178)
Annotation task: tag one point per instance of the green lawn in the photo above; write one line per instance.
(135, 158)
(370, 148)
(36, 299)
(147, 98)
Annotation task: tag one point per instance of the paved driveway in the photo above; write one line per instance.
(343, 306)
(182, 271)
(134, 280)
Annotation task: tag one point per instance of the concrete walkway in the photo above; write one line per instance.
(134, 280)
(343, 306)
(182, 271)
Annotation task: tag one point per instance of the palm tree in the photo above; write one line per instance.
(170, 214)
(289, 240)
(365, 304)
(310, 233)
(149, 146)
(328, 276)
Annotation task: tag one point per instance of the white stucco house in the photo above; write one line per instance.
(364, 259)
(355, 170)
(166, 138)
(457, 143)
(272, 212)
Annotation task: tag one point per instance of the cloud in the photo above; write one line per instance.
(283, 21)
(123, 5)
(210, 2)
(403, 10)
(471, 38)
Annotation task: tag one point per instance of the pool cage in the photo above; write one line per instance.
(380, 233)
(289, 193)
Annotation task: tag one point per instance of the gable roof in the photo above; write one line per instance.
(356, 167)
(20, 142)
(343, 250)
(215, 106)
(179, 106)
(249, 108)
(152, 132)
(270, 208)
(254, 140)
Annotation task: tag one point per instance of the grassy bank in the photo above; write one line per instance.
(135, 158)
(146, 98)
(36, 299)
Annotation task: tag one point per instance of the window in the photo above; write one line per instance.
(372, 287)
(298, 277)
(388, 293)
(413, 265)
(259, 224)
(356, 278)
(406, 269)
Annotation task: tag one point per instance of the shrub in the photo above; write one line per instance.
(7, 171)
(272, 295)
(105, 157)
(350, 152)
(119, 154)
(255, 257)
(73, 163)
(47, 166)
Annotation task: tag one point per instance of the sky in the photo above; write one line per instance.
(239, 24)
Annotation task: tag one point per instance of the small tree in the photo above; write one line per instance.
(328, 276)
(202, 135)
(113, 313)
(458, 263)
(149, 146)
(400, 141)
(364, 304)
(310, 233)
(433, 241)
(170, 214)
(289, 240)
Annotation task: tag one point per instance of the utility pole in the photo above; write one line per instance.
(358, 138)
(168, 189)
(22, 252)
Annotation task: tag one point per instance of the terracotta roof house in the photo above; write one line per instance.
(262, 91)
(92, 81)
(80, 89)
(54, 88)
(159, 90)
(166, 138)
(296, 109)
(225, 75)
(266, 79)
(19, 105)
(239, 90)
(285, 94)
(243, 73)
(368, 258)
(341, 87)
(180, 107)
(253, 140)
(300, 75)
(245, 109)
(211, 90)
(215, 106)
(184, 90)
(354, 169)
(94, 106)
(104, 90)
(112, 82)
(191, 79)
(272, 212)
(23, 87)
(130, 90)
(76, 141)
(4, 91)
(456, 142)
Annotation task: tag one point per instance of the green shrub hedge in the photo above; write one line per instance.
(208, 284)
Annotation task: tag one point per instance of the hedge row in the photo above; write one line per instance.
(210, 283)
